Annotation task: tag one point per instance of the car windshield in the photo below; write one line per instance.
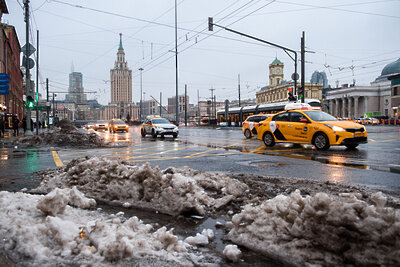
(319, 116)
(101, 122)
(119, 122)
(161, 121)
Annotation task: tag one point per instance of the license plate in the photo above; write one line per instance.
(358, 134)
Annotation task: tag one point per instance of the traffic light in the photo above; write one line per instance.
(291, 97)
(301, 93)
(210, 24)
(29, 102)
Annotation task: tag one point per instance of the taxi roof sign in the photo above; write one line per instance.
(152, 116)
(299, 106)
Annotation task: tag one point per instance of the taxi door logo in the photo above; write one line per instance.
(275, 130)
(252, 127)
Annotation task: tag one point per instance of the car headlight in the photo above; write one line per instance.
(335, 128)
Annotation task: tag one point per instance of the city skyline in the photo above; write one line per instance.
(342, 37)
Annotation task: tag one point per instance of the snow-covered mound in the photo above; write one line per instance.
(73, 236)
(65, 135)
(321, 230)
(172, 191)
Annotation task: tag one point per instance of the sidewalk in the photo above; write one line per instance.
(9, 134)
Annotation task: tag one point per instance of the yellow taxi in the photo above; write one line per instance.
(306, 126)
(251, 124)
(116, 125)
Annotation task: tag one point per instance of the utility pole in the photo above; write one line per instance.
(176, 64)
(141, 96)
(37, 84)
(160, 102)
(198, 105)
(302, 68)
(240, 112)
(212, 104)
(239, 87)
(185, 104)
(28, 131)
(47, 102)
(54, 109)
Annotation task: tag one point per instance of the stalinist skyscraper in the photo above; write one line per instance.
(121, 79)
(121, 105)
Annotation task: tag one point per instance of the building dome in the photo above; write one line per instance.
(391, 68)
(276, 61)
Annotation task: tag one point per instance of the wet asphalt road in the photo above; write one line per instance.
(376, 164)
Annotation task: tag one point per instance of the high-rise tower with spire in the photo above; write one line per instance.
(121, 79)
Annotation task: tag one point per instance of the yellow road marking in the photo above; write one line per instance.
(162, 152)
(57, 159)
(258, 149)
(370, 139)
(169, 158)
(389, 140)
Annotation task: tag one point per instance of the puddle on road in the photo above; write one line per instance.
(186, 226)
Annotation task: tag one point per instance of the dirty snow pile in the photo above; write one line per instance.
(38, 230)
(171, 191)
(321, 230)
(64, 135)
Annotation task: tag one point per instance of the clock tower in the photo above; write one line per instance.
(275, 73)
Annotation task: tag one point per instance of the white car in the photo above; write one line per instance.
(158, 126)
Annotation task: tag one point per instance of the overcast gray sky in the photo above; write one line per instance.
(342, 33)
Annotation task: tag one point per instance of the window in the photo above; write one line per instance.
(281, 117)
(296, 116)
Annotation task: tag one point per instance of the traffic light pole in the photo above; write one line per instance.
(210, 28)
(302, 67)
(28, 131)
(37, 84)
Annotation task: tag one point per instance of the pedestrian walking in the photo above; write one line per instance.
(2, 126)
(16, 126)
(24, 124)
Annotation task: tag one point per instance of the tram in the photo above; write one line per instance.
(235, 113)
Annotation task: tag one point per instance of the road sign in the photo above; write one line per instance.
(30, 61)
(295, 76)
(31, 50)
(4, 84)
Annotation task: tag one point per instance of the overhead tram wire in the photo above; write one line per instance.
(123, 16)
(339, 9)
(209, 35)
(196, 32)
(313, 8)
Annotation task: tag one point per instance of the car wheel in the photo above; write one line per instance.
(142, 133)
(352, 146)
(321, 141)
(268, 139)
(175, 135)
(153, 134)
(247, 133)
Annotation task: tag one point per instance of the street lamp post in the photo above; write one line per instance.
(141, 95)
